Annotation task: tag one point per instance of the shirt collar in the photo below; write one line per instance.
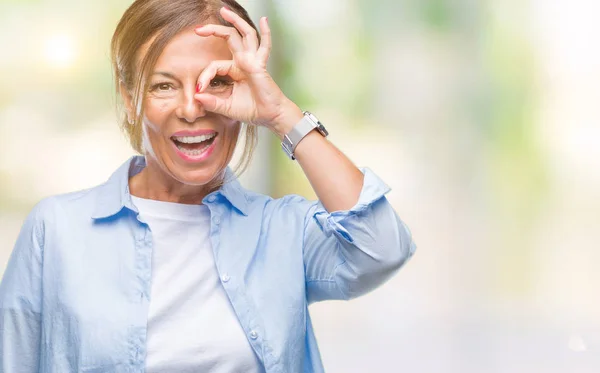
(234, 192)
(114, 193)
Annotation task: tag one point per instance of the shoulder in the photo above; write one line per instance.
(55, 207)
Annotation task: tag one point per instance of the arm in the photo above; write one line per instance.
(20, 300)
(258, 100)
(346, 252)
(337, 182)
(353, 238)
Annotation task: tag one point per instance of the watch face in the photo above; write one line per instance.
(319, 126)
(322, 129)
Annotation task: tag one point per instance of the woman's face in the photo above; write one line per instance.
(188, 143)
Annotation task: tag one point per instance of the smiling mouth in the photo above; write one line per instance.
(194, 145)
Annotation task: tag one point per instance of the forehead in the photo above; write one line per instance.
(188, 52)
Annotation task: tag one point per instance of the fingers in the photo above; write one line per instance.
(265, 44)
(214, 103)
(250, 39)
(211, 102)
(233, 38)
(220, 68)
(240, 38)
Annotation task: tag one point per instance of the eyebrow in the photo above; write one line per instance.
(171, 76)
(168, 75)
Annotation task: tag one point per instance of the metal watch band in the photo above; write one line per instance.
(308, 123)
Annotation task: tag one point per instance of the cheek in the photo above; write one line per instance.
(232, 130)
(154, 124)
(157, 112)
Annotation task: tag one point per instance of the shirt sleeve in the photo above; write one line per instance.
(20, 300)
(349, 253)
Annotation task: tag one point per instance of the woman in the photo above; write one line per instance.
(171, 265)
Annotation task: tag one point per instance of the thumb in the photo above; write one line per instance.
(213, 103)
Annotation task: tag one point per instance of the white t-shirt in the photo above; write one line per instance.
(191, 324)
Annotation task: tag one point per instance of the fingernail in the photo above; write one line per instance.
(226, 7)
(198, 88)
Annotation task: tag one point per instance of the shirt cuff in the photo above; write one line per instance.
(373, 189)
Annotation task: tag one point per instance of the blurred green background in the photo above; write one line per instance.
(481, 115)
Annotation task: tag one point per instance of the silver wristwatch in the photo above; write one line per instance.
(308, 123)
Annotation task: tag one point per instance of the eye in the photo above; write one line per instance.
(220, 83)
(162, 87)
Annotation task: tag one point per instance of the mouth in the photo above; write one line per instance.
(195, 147)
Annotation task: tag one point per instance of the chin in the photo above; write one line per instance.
(197, 177)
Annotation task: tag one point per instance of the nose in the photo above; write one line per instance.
(190, 109)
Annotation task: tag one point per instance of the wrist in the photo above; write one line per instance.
(290, 115)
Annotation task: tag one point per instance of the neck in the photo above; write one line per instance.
(153, 183)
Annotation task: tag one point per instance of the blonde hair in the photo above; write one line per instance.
(162, 20)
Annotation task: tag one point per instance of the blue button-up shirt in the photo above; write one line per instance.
(75, 294)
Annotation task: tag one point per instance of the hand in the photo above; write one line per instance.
(255, 97)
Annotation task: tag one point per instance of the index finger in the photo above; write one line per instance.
(247, 31)
(230, 34)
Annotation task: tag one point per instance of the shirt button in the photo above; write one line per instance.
(217, 220)
(211, 198)
(225, 278)
(253, 334)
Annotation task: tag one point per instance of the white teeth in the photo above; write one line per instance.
(194, 152)
(194, 139)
